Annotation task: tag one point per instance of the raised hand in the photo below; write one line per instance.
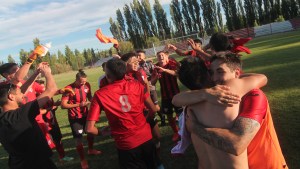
(221, 94)
(172, 47)
(44, 68)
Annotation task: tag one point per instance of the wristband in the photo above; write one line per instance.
(30, 61)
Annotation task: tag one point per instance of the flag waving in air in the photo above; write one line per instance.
(104, 39)
(238, 45)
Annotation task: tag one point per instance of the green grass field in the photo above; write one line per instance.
(277, 56)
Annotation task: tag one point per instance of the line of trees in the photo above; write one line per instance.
(64, 61)
(140, 23)
(67, 60)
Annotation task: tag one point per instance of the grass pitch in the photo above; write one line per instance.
(277, 56)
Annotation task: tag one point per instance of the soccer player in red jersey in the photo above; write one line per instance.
(123, 102)
(133, 70)
(192, 52)
(196, 51)
(77, 106)
(148, 67)
(52, 126)
(166, 73)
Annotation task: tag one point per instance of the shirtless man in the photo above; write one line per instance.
(226, 70)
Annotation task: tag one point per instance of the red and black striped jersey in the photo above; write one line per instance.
(168, 83)
(81, 93)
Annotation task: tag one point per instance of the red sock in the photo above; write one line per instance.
(90, 139)
(60, 149)
(80, 151)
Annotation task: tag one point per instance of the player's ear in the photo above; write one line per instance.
(238, 72)
(11, 97)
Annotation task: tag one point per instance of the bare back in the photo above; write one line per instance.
(219, 116)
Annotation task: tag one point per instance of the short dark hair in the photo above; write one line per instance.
(127, 56)
(4, 90)
(232, 60)
(140, 51)
(103, 64)
(117, 68)
(219, 42)
(198, 41)
(193, 73)
(5, 67)
(163, 51)
(80, 74)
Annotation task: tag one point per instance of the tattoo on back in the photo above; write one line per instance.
(225, 139)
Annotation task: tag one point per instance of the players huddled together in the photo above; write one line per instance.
(224, 114)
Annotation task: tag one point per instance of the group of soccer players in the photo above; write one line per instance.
(127, 94)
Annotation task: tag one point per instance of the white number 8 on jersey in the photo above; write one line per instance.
(125, 104)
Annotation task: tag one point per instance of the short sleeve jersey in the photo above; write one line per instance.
(32, 91)
(30, 95)
(49, 117)
(139, 75)
(254, 105)
(168, 83)
(265, 144)
(81, 93)
(22, 138)
(123, 103)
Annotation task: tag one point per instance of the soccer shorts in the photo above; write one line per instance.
(56, 133)
(77, 126)
(141, 157)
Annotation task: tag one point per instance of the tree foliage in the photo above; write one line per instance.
(10, 59)
(161, 20)
(176, 16)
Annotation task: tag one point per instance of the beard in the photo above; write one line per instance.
(23, 101)
(20, 103)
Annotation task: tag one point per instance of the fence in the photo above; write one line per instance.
(263, 30)
(180, 43)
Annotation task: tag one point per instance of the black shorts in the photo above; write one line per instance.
(167, 107)
(55, 133)
(77, 126)
(141, 157)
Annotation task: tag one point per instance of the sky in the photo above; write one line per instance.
(62, 22)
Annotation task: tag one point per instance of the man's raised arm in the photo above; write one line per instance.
(51, 87)
(219, 94)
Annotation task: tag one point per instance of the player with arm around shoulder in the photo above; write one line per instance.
(225, 69)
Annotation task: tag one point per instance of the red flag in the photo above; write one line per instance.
(238, 45)
(105, 39)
